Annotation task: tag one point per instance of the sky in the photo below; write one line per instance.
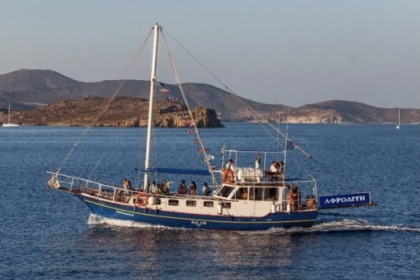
(287, 52)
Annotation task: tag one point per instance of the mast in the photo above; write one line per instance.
(150, 117)
(285, 151)
(8, 117)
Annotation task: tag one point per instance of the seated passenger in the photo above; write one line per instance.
(274, 167)
(310, 202)
(182, 189)
(274, 171)
(126, 184)
(154, 189)
(244, 194)
(164, 187)
(206, 189)
(192, 189)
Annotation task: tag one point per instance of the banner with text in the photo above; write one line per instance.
(344, 200)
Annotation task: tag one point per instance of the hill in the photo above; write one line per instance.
(31, 89)
(338, 111)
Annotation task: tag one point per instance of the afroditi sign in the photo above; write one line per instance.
(344, 200)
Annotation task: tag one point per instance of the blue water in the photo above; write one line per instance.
(48, 234)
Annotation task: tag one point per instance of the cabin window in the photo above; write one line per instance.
(191, 203)
(208, 204)
(255, 194)
(270, 194)
(226, 205)
(173, 202)
(225, 191)
(242, 193)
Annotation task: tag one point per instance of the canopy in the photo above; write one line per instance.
(179, 171)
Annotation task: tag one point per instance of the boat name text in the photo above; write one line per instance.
(198, 223)
(345, 199)
(124, 213)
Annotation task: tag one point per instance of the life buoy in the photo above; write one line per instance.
(142, 199)
(228, 176)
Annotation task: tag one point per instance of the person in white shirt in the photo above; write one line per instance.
(154, 189)
(206, 189)
(230, 165)
(274, 167)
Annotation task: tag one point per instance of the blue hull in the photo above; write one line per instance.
(194, 221)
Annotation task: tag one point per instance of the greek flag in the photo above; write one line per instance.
(290, 145)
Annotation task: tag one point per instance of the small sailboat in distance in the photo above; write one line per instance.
(9, 124)
(399, 119)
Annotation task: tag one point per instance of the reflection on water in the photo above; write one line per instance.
(163, 251)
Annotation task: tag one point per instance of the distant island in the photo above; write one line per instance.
(119, 112)
(45, 97)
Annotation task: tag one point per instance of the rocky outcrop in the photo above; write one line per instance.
(203, 118)
(314, 116)
(119, 112)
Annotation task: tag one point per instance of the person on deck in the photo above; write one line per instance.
(182, 189)
(164, 187)
(310, 202)
(274, 171)
(290, 198)
(230, 165)
(281, 167)
(206, 189)
(126, 184)
(274, 167)
(244, 194)
(154, 189)
(192, 190)
(296, 198)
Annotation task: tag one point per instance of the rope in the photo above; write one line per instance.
(181, 89)
(127, 70)
(238, 98)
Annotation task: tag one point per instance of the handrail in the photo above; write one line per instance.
(69, 182)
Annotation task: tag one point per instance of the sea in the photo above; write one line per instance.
(49, 234)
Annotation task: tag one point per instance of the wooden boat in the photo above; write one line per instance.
(246, 193)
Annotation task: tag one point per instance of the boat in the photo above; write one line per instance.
(399, 119)
(9, 124)
(248, 191)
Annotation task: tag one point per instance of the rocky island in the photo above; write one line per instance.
(117, 112)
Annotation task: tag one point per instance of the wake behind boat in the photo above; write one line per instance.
(250, 190)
